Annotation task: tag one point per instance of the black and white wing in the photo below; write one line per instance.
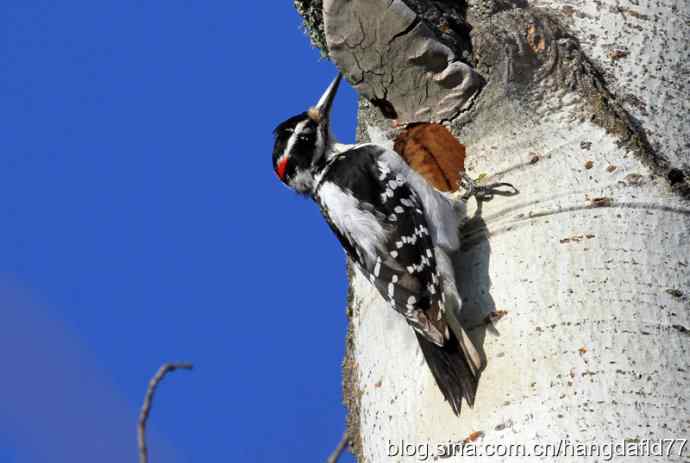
(379, 220)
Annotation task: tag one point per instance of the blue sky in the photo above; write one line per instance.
(141, 222)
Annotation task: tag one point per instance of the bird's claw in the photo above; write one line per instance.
(483, 192)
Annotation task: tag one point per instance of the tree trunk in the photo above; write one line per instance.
(585, 108)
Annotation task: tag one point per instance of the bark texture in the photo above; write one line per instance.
(584, 107)
(394, 59)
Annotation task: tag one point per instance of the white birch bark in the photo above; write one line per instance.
(594, 347)
(591, 260)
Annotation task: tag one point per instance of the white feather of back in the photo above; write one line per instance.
(358, 226)
(442, 215)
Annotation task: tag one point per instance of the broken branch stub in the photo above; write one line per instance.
(393, 58)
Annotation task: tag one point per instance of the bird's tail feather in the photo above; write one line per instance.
(474, 360)
(451, 370)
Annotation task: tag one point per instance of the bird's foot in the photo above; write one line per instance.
(482, 192)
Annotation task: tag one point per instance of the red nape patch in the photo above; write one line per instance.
(280, 166)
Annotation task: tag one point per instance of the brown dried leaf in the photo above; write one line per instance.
(433, 152)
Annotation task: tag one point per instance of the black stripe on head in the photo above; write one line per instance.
(290, 123)
(282, 134)
(302, 149)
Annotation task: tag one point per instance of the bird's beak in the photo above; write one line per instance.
(326, 101)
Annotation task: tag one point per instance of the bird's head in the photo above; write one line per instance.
(302, 141)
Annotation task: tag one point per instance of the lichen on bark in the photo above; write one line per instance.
(312, 15)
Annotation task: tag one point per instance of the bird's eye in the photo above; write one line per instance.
(304, 137)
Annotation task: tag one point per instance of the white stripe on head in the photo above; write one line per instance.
(320, 145)
(295, 135)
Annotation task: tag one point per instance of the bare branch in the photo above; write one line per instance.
(342, 445)
(148, 402)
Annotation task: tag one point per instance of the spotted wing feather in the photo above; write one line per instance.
(402, 265)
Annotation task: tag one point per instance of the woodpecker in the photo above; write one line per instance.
(394, 226)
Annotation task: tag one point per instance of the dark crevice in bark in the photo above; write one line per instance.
(676, 176)
(385, 107)
(447, 18)
(405, 31)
